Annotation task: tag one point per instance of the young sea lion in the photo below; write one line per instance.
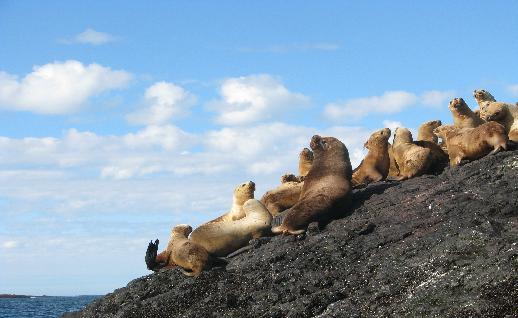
(463, 116)
(375, 166)
(425, 131)
(242, 193)
(505, 114)
(223, 238)
(473, 143)
(326, 188)
(411, 159)
(287, 194)
(482, 96)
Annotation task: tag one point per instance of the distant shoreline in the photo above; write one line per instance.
(14, 296)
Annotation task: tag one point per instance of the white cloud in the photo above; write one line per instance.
(9, 244)
(59, 87)
(513, 89)
(388, 103)
(437, 98)
(163, 102)
(392, 125)
(253, 99)
(91, 36)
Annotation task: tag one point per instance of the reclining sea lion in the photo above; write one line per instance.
(412, 160)
(223, 238)
(504, 114)
(242, 193)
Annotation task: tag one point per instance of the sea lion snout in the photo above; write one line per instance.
(316, 143)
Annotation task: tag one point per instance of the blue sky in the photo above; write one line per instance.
(121, 119)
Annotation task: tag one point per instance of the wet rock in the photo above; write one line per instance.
(433, 246)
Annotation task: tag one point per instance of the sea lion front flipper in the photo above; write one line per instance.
(279, 218)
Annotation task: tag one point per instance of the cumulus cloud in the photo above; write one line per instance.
(254, 98)
(59, 87)
(392, 125)
(388, 103)
(437, 98)
(163, 101)
(90, 36)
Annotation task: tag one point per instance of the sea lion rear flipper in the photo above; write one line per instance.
(151, 254)
(279, 218)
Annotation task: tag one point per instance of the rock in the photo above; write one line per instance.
(433, 246)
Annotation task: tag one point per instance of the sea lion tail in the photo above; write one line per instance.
(151, 254)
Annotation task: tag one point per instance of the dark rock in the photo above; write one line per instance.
(433, 246)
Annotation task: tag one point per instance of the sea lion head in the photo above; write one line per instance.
(378, 138)
(244, 191)
(443, 130)
(306, 155)
(482, 95)
(495, 112)
(402, 135)
(432, 123)
(181, 231)
(458, 106)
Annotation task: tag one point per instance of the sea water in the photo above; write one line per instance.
(42, 307)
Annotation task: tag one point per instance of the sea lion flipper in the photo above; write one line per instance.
(279, 218)
(151, 254)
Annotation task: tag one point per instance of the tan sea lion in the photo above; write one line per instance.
(375, 166)
(242, 193)
(482, 96)
(287, 194)
(473, 143)
(190, 256)
(463, 116)
(326, 189)
(223, 238)
(425, 131)
(411, 159)
(393, 168)
(505, 114)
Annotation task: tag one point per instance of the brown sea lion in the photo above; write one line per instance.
(242, 193)
(425, 131)
(375, 166)
(473, 143)
(287, 194)
(463, 116)
(223, 238)
(327, 187)
(411, 159)
(393, 168)
(505, 114)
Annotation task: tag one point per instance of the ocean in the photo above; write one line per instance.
(42, 307)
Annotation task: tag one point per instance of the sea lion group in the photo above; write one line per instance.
(325, 180)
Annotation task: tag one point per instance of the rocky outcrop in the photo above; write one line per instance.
(433, 246)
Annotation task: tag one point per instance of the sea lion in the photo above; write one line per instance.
(482, 96)
(473, 143)
(463, 116)
(412, 160)
(223, 238)
(425, 131)
(287, 194)
(375, 166)
(242, 193)
(393, 168)
(505, 114)
(326, 188)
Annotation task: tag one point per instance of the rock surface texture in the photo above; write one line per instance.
(432, 246)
